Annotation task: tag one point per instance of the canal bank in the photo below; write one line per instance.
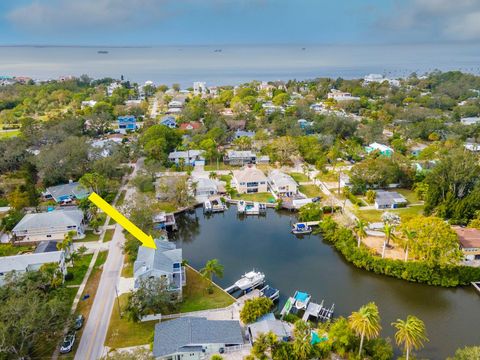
(310, 264)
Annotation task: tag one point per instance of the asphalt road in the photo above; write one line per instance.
(93, 338)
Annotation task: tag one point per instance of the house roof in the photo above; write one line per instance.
(468, 237)
(72, 189)
(249, 174)
(389, 197)
(268, 323)
(185, 154)
(162, 258)
(128, 118)
(381, 147)
(57, 219)
(192, 125)
(234, 154)
(23, 262)
(240, 133)
(279, 178)
(203, 183)
(179, 335)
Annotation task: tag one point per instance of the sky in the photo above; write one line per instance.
(208, 22)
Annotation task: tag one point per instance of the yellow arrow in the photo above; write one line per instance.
(146, 240)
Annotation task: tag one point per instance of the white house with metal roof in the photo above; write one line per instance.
(30, 262)
(195, 338)
(249, 180)
(52, 225)
(281, 183)
(163, 262)
(389, 200)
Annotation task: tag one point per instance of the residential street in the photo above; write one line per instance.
(92, 342)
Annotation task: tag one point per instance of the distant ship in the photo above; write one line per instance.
(102, 52)
(217, 50)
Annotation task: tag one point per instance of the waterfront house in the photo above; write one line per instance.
(282, 184)
(164, 221)
(249, 180)
(195, 338)
(192, 125)
(470, 120)
(163, 262)
(204, 187)
(339, 96)
(31, 262)
(469, 240)
(268, 323)
(188, 157)
(126, 123)
(389, 200)
(52, 225)
(234, 157)
(169, 121)
(383, 149)
(66, 193)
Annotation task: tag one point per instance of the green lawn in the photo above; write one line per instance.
(299, 177)
(404, 213)
(79, 269)
(195, 296)
(329, 176)
(9, 249)
(166, 206)
(258, 197)
(121, 198)
(310, 191)
(221, 166)
(108, 235)
(124, 333)
(409, 195)
(90, 236)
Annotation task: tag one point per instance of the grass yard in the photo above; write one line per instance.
(125, 333)
(299, 177)
(258, 197)
(10, 250)
(409, 195)
(165, 206)
(90, 236)
(121, 198)
(9, 134)
(127, 270)
(404, 213)
(221, 166)
(108, 235)
(310, 191)
(79, 269)
(329, 176)
(196, 297)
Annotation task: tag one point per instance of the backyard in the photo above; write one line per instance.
(299, 177)
(258, 197)
(125, 333)
(310, 191)
(376, 215)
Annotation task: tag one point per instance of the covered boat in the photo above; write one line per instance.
(301, 300)
(301, 228)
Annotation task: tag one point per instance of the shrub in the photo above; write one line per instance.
(344, 241)
(255, 308)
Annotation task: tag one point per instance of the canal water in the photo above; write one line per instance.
(452, 316)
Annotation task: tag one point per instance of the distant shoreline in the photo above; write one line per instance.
(79, 46)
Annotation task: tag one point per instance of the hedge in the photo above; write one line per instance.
(345, 242)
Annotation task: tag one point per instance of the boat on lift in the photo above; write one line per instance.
(250, 280)
(301, 229)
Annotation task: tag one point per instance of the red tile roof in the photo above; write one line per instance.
(468, 237)
(193, 125)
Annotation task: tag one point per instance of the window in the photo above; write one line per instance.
(252, 184)
(49, 236)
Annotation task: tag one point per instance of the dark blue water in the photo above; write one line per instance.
(452, 316)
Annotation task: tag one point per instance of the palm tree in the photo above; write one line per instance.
(213, 175)
(302, 348)
(408, 238)
(212, 267)
(388, 229)
(66, 243)
(411, 333)
(360, 230)
(365, 323)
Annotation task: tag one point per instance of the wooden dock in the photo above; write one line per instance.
(476, 285)
(312, 223)
(313, 309)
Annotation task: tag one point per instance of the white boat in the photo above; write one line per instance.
(301, 228)
(301, 300)
(217, 205)
(252, 209)
(241, 205)
(207, 206)
(250, 280)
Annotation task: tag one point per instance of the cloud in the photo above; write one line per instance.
(56, 15)
(438, 19)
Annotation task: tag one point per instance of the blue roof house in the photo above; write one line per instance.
(169, 121)
(127, 123)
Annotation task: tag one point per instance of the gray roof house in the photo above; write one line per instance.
(234, 157)
(281, 183)
(267, 323)
(66, 192)
(389, 200)
(30, 262)
(195, 338)
(164, 261)
(189, 157)
(52, 225)
(204, 188)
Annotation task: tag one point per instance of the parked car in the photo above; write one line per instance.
(67, 344)
(79, 322)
